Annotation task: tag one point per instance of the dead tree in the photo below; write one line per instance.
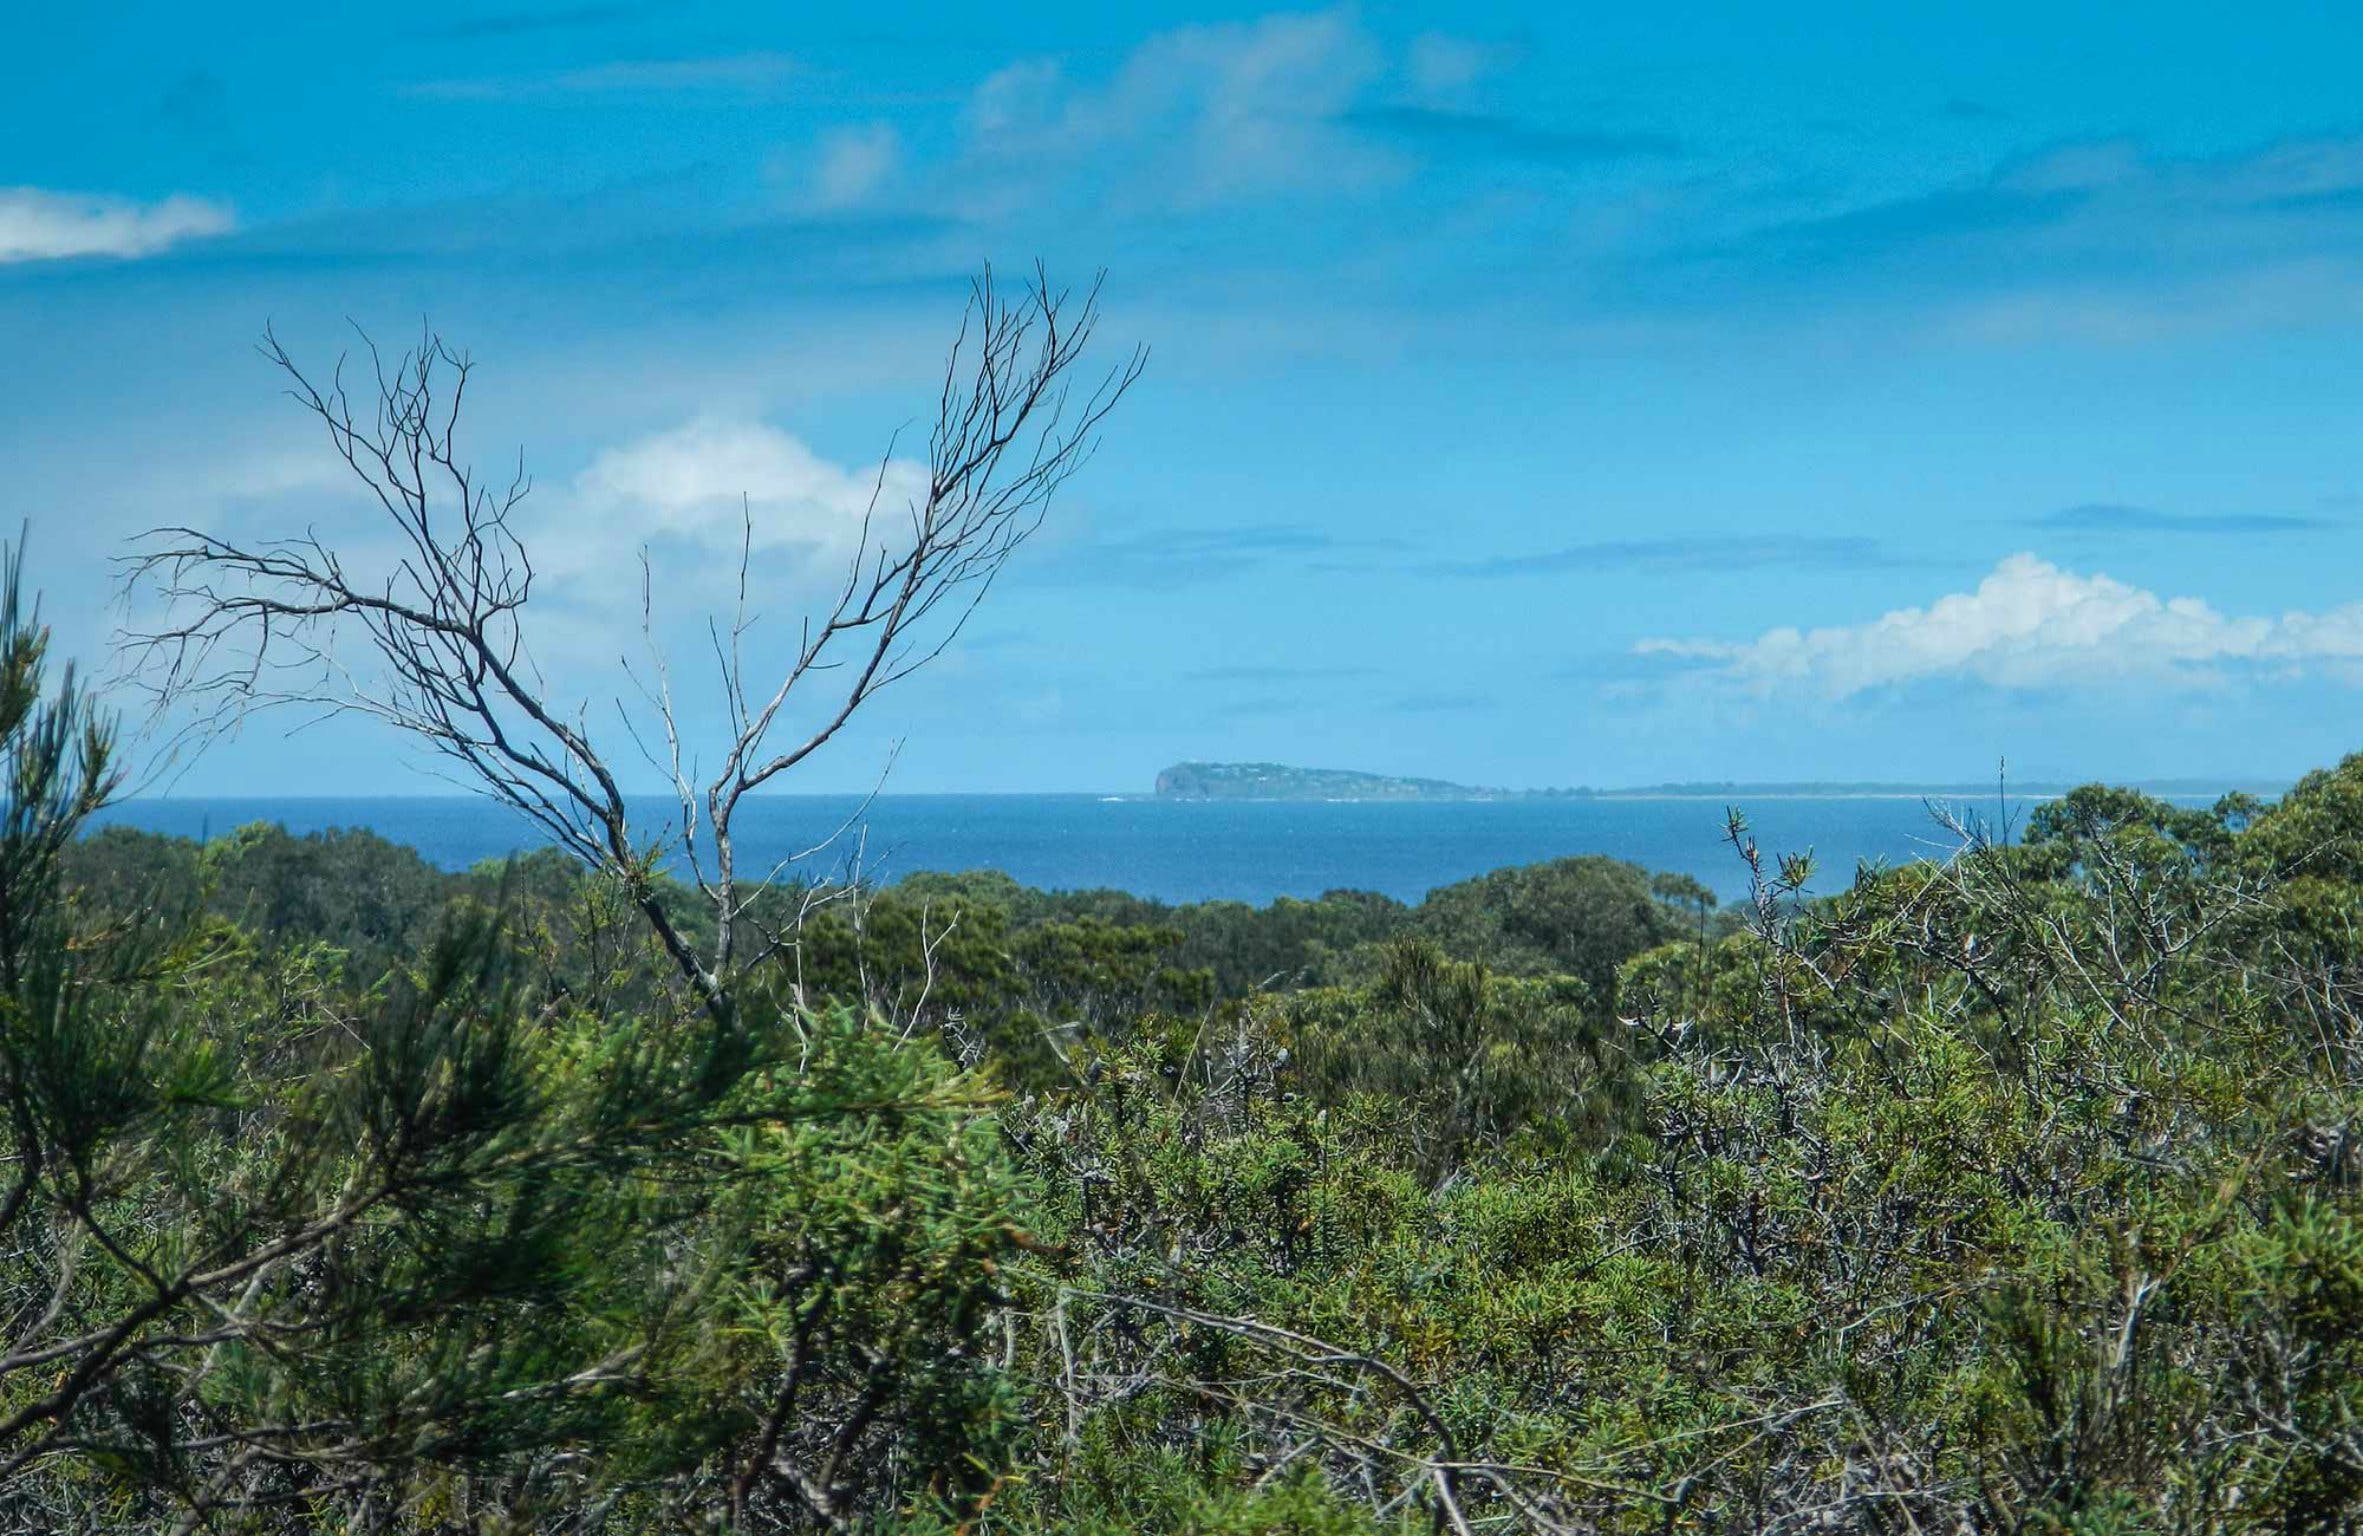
(443, 638)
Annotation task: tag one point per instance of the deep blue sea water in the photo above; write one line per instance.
(1177, 851)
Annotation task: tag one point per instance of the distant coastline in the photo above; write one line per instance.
(1281, 782)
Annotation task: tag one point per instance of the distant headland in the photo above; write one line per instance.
(1279, 781)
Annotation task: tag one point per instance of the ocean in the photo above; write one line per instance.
(1174, 850)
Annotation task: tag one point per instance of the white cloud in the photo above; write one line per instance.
(1201, 113)
(701, 484)
(44, 226)
(854, 164)
(1024, 98)
(2030, 624)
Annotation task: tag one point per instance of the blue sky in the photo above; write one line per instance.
(1539, 394)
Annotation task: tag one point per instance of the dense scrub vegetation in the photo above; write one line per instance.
(2019, 1193)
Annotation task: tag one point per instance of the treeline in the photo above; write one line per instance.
(2018, 1193)
(976, 946)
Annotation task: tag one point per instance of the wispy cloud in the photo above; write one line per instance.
(854, 163)
(1700, 553)
(1285, 104)
(1195, 116)
(2032, 625)
(37, 225)
(2106, 239)
(2103, 517)
(749, 74)
(1163, 558)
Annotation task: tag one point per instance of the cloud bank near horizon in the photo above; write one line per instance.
(2032, 625)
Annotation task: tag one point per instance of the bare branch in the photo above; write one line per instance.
(435, 645)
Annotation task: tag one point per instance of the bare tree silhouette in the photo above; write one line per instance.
(444, 637)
